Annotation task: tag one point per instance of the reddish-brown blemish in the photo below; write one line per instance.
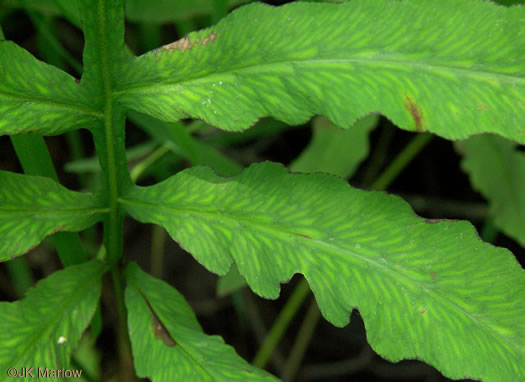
(482, 106)
(415, 112)
(433, 275)
(305, 236)
(185, 43)
(423, 311)
(161, 332)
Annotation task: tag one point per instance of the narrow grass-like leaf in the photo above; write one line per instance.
(38, 98)
(333, 150)
(32, 208)
(497, 170)
(168, 342)
(43, 329)
(423, 287)
(417, 62)
(180, 141)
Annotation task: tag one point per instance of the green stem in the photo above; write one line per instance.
(142, 166)
(157, 251)
(401, 161)
(302, 340)
(124, 345)
(110, 147)
(379, 156)
(281, 324)
(113, 230)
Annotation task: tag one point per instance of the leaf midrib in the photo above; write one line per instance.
(280, 231)
(14, 211)
(401, 64)
(78, 108)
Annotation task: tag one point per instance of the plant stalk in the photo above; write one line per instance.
(281, 324)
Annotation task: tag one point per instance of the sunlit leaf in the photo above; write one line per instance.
(425, 289)
(417, 62)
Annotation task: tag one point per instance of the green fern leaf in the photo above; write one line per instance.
(44, 328)
(333, 150)
(38, 98)
(168, 342)
(33, 207)
(422, 287)
(417, 62)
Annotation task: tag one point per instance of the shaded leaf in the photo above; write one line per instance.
(168, 342)
(38, 98)
(417, 62)
(33, 207)
(230, 282)
(335, 151)
(43, 329)
(425, 289)
(497, 170)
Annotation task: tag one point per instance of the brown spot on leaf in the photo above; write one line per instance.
(423, 311)
(209, 38)
(305, 236)
(482, 106)
(415, 112)
(433, 275)
(161, 332)
(182, 44)
(185, 43)
(431, 221)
